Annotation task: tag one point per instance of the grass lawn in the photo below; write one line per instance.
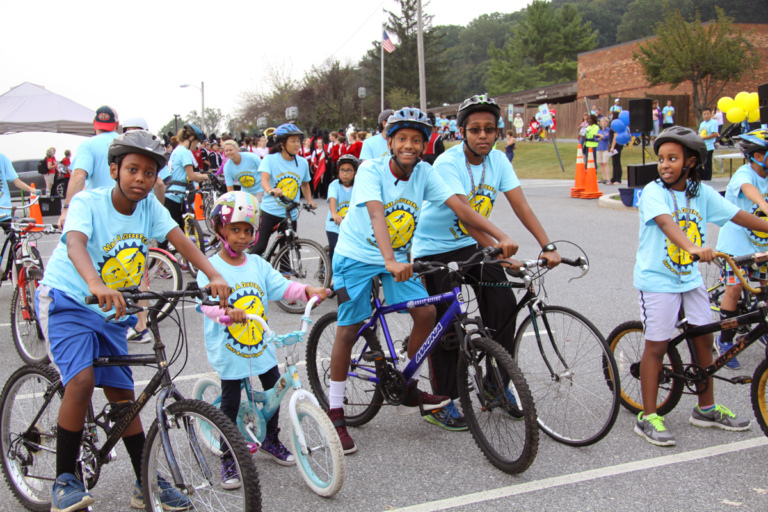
(539, 160)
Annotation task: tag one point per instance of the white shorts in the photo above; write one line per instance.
(602, 156)
(659, 311)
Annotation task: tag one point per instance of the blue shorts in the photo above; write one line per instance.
(76, 336)
(352, 280)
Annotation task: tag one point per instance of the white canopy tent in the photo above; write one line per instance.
(31, 108)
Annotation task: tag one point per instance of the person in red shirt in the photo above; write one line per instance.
(50, 160)
(355, 144)
(66, 161)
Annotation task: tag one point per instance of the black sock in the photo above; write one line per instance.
(67, 450)
(727, 335)
(134, 445)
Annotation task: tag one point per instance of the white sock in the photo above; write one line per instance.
(336, 394)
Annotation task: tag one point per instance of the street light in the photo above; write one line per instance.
(202, 96)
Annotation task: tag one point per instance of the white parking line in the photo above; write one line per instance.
(547, 483)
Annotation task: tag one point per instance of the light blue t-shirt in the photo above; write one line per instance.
(452, 125)
(92, 157)
(662, 266)
(711, 127)
(734, 239)
(238, 351)
(7, 175)
(402, 208)
(668, 113)
(180, 159)
(615, 108)
(164, 173)
(342, 195)
(246, 174)
(374, 147)
(285, 175)
(117, 243)
(440, 230)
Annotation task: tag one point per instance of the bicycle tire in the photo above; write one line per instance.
(162, 274)
(759, 395)
(627, 342)
(208, 204)
(207, 495)
(22, 399)
(308, 264)
(363, 398)
(195, 234)
(202, 392)
(322, 467)
(572, 375)
(505, 432)
(27, 335)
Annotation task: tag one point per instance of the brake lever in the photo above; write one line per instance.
(584, 269)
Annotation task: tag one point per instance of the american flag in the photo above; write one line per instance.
(387, 43)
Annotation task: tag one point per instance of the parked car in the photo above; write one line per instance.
(27, 171)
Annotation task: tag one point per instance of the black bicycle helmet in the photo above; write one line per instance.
(477, 103)
(752, 142)
(286, 130)
(685, 137)
(348, 159)
(409, 118)
(141, 142)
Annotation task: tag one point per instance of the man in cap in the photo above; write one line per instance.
(376, 146)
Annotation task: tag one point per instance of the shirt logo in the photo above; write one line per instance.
(289, 186)
(245, 340)
(124, 265)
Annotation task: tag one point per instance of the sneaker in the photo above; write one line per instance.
(411, 403)
(653, 430)
(448, 418)
(509, 405)
(337, 418)
(229, 477)
(275, 449)
(721, 348)
(134, 336)
(762, 341)
(719, 417)
(68, 494)
(171, 498)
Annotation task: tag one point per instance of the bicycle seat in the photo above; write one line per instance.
(25, 220)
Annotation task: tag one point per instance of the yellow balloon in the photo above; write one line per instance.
(725, 103)
(754, 116)
(735, 115)
(740, 100)
(753, 102)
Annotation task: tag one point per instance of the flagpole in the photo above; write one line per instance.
(382, 68)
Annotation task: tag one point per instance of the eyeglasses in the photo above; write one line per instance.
(346, 170)
(489, 130)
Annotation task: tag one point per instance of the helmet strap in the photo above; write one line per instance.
(761, 164)
(683, 176)
(407, 173)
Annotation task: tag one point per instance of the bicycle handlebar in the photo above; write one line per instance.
(133, 294)
(23, 206)
(742, 261)
(25, 226)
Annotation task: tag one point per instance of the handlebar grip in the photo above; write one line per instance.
(695, 257)
(578, 262)
(91, 299)
(493, 251)
(419, 267)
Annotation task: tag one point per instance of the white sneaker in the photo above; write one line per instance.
(134, 336)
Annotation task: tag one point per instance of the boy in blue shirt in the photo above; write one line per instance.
(8, 175)
(708, 130)
(375, 146)
(103, 248)
(339, 196)
(748, 189)
(374, 241)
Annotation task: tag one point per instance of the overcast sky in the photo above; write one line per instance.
(134, 55)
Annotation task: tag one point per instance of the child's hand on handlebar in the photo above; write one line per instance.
(322, 293)
(109, 298)
(553, 258)
(508, 246)
(312, 205)
(512, 263)
(400, 271)
(277, 192)
(219, 289)
(236, 316)
(705, 254)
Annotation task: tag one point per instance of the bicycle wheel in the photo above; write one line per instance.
(713, 280)
(27, 336)
(498, 406)
(29, 451)
(572, 375)
(208, 390)
(200, 469)
(627, 343)
(760, 395)
(307, 262)
(322, 464)
(208, 203)
(163, 274)
(195, 234)
(363, 397)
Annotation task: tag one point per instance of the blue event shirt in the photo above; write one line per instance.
(342, 195)
(7, 175)
(117, 243)
(661, 265)
(440, 230)
(452, 125)
(668, 113)
(734, 239)
(180, 159)
(711, 127)
(91, 157)
(402, 208)
(285, 175)
(238, 351)
(603, 144)
(246, 173)
(374, 147)
(164, 173)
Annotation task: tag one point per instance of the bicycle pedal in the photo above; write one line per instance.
(373, 356)
(741, 379)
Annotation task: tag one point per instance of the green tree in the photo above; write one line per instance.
(708, 56)
(213, 119)
(397, 98)
(172, 126)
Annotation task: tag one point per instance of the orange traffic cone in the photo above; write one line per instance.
(578, 186)
(199, 212)
(590, 184)
(34, 210)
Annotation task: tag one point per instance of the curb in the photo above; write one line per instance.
(606, 201)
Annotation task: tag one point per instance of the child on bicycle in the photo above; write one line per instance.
(674, 212)
(339, 194)
(374, 241)
(103, 248)
(238, 351)
(748, 190)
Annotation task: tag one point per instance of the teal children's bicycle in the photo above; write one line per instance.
(314, 441)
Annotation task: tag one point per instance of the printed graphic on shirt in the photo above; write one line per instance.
(401, 223)
(289, 184)
(677, 260)
(481, 204)
(245, 340)
(246, 180)
(342, 209)
(758, 238)
(125, 261)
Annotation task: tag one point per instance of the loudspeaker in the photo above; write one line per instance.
(641, 115)
(762, 92)
(641, 175)
(50, 206)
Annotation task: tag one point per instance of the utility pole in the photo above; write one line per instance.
(420, 49)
